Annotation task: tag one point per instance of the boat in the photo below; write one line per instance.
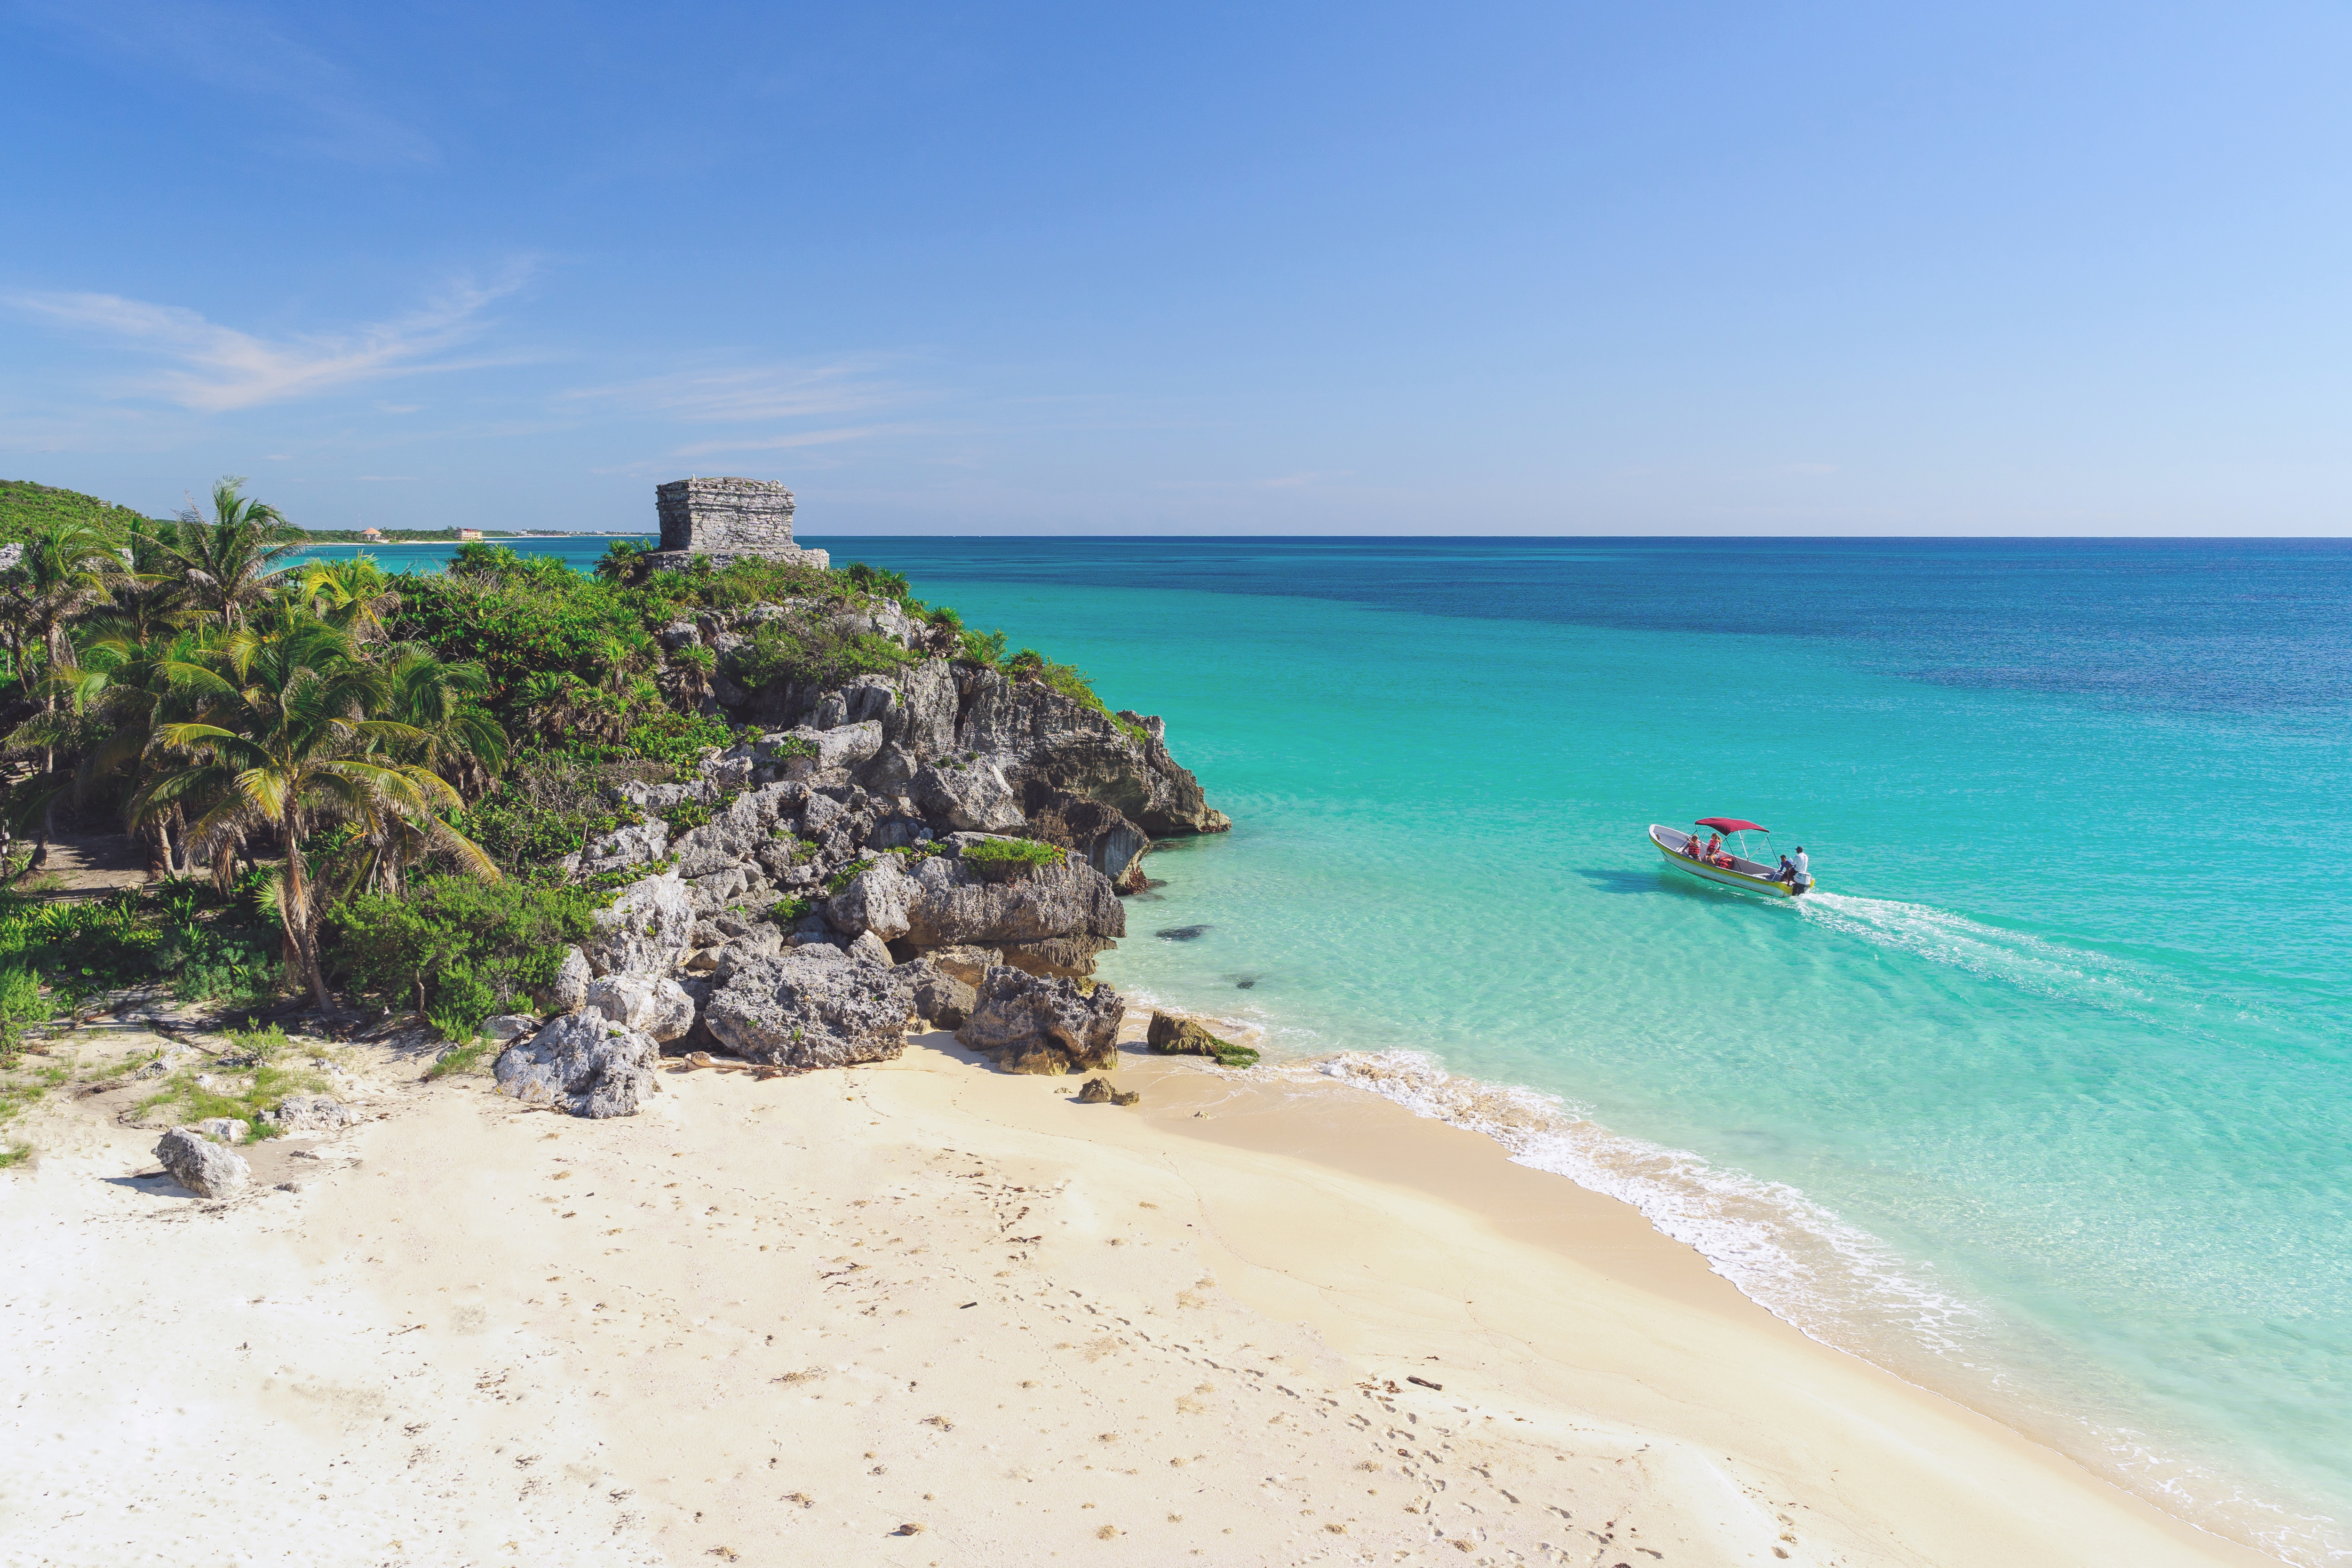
(1739, 871)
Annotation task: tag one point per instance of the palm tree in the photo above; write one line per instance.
(288, 735)
(129, 683)
(355, 596)
(623, 563)
(66, 570)
(228, 562)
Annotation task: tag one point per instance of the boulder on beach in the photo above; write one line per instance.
(1100, 1091)
(942, 1000)
(1174, 1035)
(584, 1064)
(204, 1168)
(813, 1007)
(310, 1113)
(1033, 1024)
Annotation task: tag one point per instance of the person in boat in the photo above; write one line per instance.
(1803, 876)
(1714, 855)
(1787, 873)
(1690, 845)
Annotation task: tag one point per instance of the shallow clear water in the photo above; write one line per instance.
(2041, 1101)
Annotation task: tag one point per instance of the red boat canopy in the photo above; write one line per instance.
(1732, 825)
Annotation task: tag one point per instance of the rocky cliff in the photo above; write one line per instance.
(843, 866)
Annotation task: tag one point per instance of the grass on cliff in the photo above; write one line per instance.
(1012, 856)
(26, 507)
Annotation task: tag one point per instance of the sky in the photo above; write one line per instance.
(1558, 268)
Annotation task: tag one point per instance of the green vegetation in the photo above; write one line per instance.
(460, 951)
(27, 509)
(814, 650)
(253, 1077)
(403, 535)
(362, 781)
(203, 943)
(786, 912)
(1008, 858)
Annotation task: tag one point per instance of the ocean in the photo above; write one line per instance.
(2040, 1101)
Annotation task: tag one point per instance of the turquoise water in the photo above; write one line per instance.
(2040, 1101)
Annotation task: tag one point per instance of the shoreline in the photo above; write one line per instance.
(924, 1312)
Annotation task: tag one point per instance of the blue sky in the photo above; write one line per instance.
(1548, 269)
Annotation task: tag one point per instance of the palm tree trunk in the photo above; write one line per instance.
(294, 908)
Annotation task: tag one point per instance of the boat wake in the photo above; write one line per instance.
(2015, 957)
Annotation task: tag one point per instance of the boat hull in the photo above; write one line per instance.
(1728, 876)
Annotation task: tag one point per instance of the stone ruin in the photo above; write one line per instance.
(727, 520)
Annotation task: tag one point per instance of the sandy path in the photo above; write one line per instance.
(925, 1313)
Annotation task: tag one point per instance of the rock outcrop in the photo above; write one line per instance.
(814, 1006)
(582, 1063)
(1037, 1026)
(646, 930)
(819, 897)
(205, 1169)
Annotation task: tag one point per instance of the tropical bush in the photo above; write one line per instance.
(1011, 857)
(460, 951)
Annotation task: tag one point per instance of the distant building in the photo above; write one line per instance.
(470, 533)
(727, 519)
(371, 534)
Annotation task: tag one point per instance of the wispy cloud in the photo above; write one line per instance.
(215, 369)
(387, 479)
(235, 49)
(736, 395)
(779, 443)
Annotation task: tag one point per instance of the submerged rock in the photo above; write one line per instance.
(582, 1063)
(1037, 1026)
(203, 1168)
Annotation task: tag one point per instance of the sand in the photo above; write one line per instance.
(927, 1313)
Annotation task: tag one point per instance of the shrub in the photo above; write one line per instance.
(1008, 858)
(550, 805)
(786, 912)
(460, 951)
(814, 649)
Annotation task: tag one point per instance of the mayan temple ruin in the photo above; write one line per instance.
(726, 521)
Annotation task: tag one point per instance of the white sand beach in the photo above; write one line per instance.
(927, 1313)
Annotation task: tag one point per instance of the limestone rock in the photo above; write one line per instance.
(584, 1064)
(942, 1000)
(203, 1168)
(1036, 1025)
(1172, 1036)
(1100, 1091)
(649, 1005)
(222, 1129)
(969, 964)
(506, 1025)
(1055, 743)
(312, 1113)
(868, 948)
(813, 1007)
(954, 908)
(568, 992)
(646, 930)
(969, 797)
(1062, 957)
(874, 901)
(635, 844)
